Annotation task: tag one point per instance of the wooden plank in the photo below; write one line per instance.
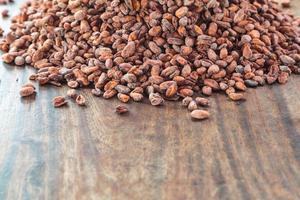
(246, 151)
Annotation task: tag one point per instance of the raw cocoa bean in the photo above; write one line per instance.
(121, 109)
(59, 101)
(200, 114)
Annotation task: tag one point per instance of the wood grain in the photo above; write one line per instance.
(246, 151)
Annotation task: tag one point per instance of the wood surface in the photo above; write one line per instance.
(248, 151)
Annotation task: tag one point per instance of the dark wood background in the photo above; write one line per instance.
(247, 151)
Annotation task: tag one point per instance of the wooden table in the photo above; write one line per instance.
(247, 151)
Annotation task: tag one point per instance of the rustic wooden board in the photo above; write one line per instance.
(245, 151)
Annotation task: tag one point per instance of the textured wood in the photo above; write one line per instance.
(246, 151)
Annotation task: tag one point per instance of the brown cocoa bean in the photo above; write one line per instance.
(200, 114)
